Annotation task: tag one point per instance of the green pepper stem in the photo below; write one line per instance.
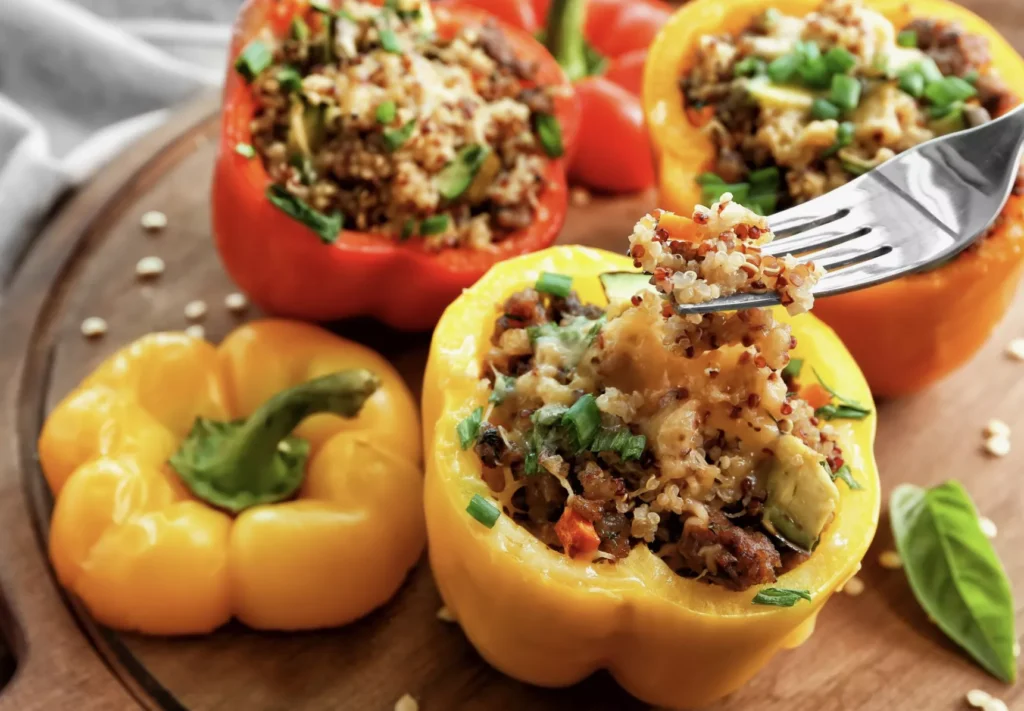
(237, 465)
(564, 36)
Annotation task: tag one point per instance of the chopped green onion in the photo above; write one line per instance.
(548, 415)
(555, 284)
(504, 385)
(709, 179)
(327, 227)
(822, 109)
(549, 131)
(912, 82)
(793, 368)
(807, 51)
(929, 70)
(907, 38)
(386, 112)
(972, 77)
(389, 40)
(396, 138)
(299, 29)
(245, 150)
(765, 177)
(289, 78)
(469, 428)
(713, 193)
(762, 203)
(583, 420)
(783, 69)
(435, 225)
(815, 73)
(408, 229)
(845, 92)
(456, 177)
(845, 474)
(840, 60)
(750, 67)
(254, 58)
(942, 111)
(483, 510)
(949, 90)
(844, 137)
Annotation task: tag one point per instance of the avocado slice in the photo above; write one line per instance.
(775, 96)
(622, 286)
(801, 495)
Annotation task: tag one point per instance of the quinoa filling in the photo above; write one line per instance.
(798, 106)
(632, 425)
(365, 118)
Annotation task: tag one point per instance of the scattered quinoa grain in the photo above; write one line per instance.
(154, 221)
(997, 446)
(196, 331)
(890, 560)
(997, 428)
(1016, 349)
(94, 327)
(445, 615)
(579, 197)
(407, 703)
(854, 587)
(988, 526)
(983, 700)
(149, 267)
(195, 310)
(236, 303)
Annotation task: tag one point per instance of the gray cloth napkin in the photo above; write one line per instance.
(79, 81)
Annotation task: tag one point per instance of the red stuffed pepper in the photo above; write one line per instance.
(602, 45)
(377, 158)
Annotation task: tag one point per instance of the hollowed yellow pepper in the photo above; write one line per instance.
(547, 619)
(143, 553)
(905, 334)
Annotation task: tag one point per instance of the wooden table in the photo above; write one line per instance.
(874, 651)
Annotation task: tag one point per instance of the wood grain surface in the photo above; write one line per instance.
(873, 651)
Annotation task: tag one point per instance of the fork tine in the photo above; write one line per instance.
(813, 239)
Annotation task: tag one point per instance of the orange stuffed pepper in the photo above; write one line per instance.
(779, 106)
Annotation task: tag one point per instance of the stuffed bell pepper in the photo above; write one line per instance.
(611, 484)
(377, 159)
(602, 45)
(779, 104)
(184, 498)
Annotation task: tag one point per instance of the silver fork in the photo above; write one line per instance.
(914, 211)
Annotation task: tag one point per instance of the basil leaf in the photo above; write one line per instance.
(780, 597)
(327, 227)
(955, 573)
(469, 428)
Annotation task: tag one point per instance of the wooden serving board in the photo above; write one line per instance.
(874, 651)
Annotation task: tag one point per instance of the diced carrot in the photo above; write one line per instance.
(700, 117)
(576, 534)
(680, 228)
(815, 395)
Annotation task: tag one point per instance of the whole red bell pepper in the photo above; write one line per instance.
(286, 269)
(602, 45)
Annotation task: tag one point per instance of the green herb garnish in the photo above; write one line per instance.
(386, 112)
(435, 225)
(619, 440)
(469, 428)
(299, 30)
(245, 150)
(549, 131)
(845, 474)
(483, 510)
(408, 229)
(750, 67)
(582, 421)
(840, 60)
(907, 38)
(254, 58)
(845, 92)
(955, 573)
(326, 227)
(793, 368)
(555, 284)
(780, 597)
(289, 79)
(784, 68)
(844, 137)
(396, 138)
(504, 385)
(949, 90)
(912, 82)
(823, 109)
(456, 177)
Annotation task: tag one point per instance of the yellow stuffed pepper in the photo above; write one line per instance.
(780, 103)
(575, 525)
(184, 499)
